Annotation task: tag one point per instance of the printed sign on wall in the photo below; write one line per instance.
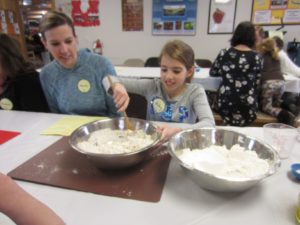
(271, 12)
(85, 12)
(173, 17)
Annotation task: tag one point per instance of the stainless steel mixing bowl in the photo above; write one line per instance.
(114, 161)
(205, 137)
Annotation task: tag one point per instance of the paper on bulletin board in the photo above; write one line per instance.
(268, 12)
(66, 125)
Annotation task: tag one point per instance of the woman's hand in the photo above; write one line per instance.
(167, 132)
(120, 97)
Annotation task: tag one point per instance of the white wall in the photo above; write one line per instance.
(119, 45)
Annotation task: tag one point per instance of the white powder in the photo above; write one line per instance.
(108, 141)
(218, 160)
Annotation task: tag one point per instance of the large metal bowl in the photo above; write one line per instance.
(114, 161)
(205, 137)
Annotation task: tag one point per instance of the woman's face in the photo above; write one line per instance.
(62, 44)
(258, 37)
(173, 75)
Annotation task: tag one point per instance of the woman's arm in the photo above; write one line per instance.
(215, 68)
(202, 109)
(23, 208)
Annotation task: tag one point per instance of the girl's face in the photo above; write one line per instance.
(62, 44)
(173, 75)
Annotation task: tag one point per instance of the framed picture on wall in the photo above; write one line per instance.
(221, 16)
(173, 17)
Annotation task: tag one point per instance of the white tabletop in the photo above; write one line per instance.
(182, 203)
(201, 76)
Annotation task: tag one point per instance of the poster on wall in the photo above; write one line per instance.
(132, 15)
(85, 12)
(221, 16)
(275, 12)
(173, 17)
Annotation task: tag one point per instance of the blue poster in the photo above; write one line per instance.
(174, 17)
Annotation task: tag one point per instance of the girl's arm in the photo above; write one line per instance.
(23, 208)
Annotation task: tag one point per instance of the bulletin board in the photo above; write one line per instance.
(173, 17)
(275, 12)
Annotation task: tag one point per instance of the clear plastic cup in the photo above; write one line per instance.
(281, 137)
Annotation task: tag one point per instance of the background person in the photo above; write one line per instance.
(290, 101)
(239, 66)
(173, 98)
(286, 64)
(272, 83)
(73, 81)
(20, 87)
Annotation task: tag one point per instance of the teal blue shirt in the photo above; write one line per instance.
(79, 90)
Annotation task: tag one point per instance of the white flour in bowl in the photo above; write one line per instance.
(222, 162)
(108, 141)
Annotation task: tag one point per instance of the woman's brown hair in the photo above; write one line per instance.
(54, 19)
(11, 58)
(268, 46)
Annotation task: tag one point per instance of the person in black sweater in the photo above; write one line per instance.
(20, 87)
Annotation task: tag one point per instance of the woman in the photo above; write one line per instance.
(173, 98)
(73, 81)
(239, 66)
(20, 87)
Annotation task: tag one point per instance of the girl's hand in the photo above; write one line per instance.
(120, 97)
(167, 132)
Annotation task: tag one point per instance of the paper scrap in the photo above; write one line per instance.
(7, 135)
(66, 125)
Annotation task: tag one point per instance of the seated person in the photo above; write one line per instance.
(20, 87)
(173, 98)
(290, 101)
(72, 82)
(272, 83)
(239, 66)
(286, 64)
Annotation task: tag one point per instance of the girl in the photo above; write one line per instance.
(272, 83)
(173, 98)
(20, 87)
(239, 66)
(72, 82)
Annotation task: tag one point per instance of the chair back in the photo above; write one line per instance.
(205, 63)
(152, 62)
(134, 62)
(137, 107)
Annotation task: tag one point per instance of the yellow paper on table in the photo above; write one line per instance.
(66, 125)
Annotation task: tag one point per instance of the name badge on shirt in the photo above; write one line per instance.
(158, 105)
(84, 86)
(6, 104)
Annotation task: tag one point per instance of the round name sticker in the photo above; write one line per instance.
(6, 104)
(159, 105)
(84, 86)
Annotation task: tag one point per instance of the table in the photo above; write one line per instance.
(201, 76)
(183, 202)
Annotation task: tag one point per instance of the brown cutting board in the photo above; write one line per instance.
(61, 166)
